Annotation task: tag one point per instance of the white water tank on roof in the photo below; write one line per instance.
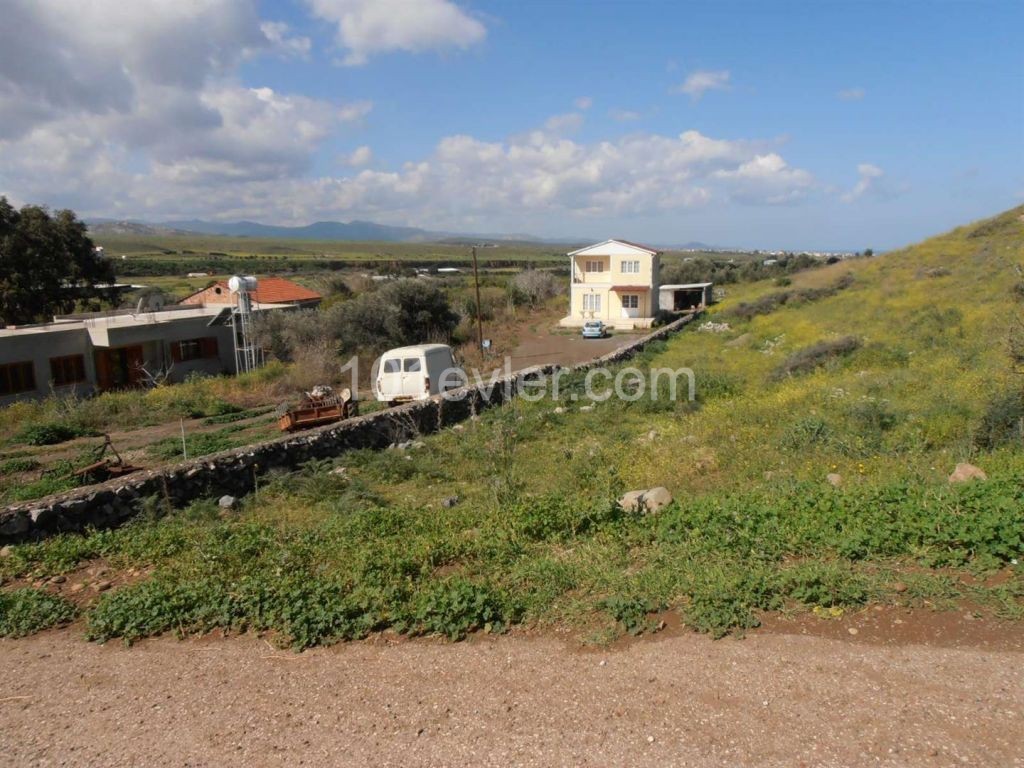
(238, 284)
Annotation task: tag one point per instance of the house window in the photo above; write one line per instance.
(591, 302)
(595, 266)
(630, 301)
(631, 267)
(17, 377)
(67, 370)
(193, 349)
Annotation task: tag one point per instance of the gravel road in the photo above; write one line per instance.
(770, 699)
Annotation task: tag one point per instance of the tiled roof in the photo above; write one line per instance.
(277, 290)
(269, 290)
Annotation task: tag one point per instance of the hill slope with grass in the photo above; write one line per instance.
(884, 372)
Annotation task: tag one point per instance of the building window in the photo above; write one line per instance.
(631, 267)
(67, 370)
(591, 302)
(595, 266)
(17, 377)
(193, 349)
(630, 301)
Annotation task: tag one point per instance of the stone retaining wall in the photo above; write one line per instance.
(235, 472)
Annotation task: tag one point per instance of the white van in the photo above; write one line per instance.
(415, 373)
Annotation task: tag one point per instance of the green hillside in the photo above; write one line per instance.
(885, 371)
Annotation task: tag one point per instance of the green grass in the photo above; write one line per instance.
(536, 537)
(201, 444)
(340, 564)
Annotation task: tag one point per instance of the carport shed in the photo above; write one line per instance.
(685, 297)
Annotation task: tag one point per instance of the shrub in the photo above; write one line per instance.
(13, 466)
(662, 317)
(805, 432)
(871, 415)
(53, 432)
(534, 287)
(807, 359)
(27, 610)
(1002, 422)
(770, 302)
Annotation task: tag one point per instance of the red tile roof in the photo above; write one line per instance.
(270, 290)
(277, 290)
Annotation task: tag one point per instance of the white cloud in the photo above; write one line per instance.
(367, 27)
(359, 157)
(851, 94)
(623, 115)
(355, 111)
(700, 82)
(583, 102)
(867, 183)
(570, 122)
(287, 45)
(137, 111)
(125, 93)
(766, 179)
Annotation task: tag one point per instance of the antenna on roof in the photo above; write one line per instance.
(246, 352)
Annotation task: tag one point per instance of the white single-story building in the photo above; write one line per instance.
(95, 352)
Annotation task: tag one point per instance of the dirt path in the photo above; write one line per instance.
(546, 346)
(682, 700)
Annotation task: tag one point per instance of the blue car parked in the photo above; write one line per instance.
(594, 329)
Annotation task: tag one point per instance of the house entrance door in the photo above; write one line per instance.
(118, 368)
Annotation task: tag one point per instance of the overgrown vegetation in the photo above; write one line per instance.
(24, 611)
(770, 302)
(511, 519)
(807, 359)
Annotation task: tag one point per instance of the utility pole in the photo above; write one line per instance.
(479, 322)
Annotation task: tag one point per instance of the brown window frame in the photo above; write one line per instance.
(7, 385)
(203, 348)
(67, 369)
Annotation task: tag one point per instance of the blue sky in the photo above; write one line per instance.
(756, 124)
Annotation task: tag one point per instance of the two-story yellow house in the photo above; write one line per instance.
(614, 281)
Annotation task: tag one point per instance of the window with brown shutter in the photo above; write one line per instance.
(69, 369)
(17, 377)
(193, 349)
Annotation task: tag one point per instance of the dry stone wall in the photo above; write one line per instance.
(236, 472)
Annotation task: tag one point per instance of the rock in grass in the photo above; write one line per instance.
(834, 479)
(739, 341)
(646, 501)
(965, 472)
(227, 502)
(6, 551)
(450, 502)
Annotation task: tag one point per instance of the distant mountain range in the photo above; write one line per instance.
(328, 230)
(321, 230)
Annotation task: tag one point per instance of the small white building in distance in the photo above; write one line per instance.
(615, 281)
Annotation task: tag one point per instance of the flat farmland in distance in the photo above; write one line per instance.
(179, 247)
(288, 254)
